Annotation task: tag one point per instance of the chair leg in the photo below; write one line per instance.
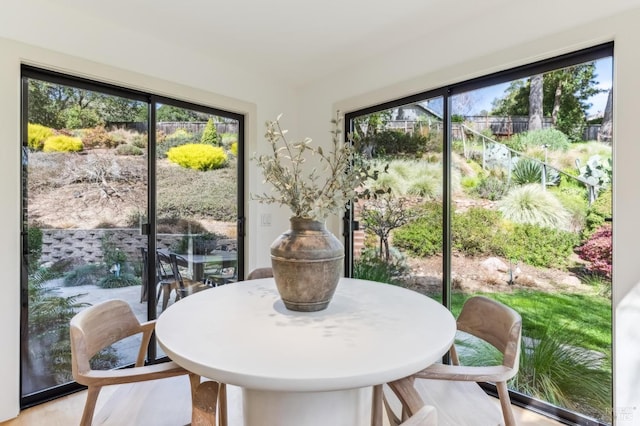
(90, 405)
(194, 381)
(204, 404)
(222, 405)
(505, 403)
(166, 292)
(376, 406)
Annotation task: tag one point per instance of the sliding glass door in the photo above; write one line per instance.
(513, 202)
(112, 180)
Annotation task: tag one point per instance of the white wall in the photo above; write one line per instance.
(415, 68)
(202, 82)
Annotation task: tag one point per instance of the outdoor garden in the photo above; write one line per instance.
(530, 227)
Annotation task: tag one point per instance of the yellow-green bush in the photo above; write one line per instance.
(234, 148)
(37, 134)
(198, 156)
(62, 143)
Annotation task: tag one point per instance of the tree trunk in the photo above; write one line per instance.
(606, 130)
(556, 104)
(535, 102)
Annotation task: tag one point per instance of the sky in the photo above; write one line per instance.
(484, 97)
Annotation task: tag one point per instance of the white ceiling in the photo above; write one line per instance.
(300, 41)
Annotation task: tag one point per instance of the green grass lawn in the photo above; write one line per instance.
(578, 317)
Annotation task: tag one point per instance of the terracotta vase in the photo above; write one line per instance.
(307, 264)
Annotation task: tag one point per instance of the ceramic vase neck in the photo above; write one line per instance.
(306, 224)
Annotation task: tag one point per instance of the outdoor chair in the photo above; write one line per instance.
(98, 327)
(167, 279)
(186, 286)
(454, 389)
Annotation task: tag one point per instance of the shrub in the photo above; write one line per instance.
(116, 281)
(474, 232)
(409, 177)
(210, 134)
(491, 188)
(98, 137)
(601, 210)
(177, 138)
(36, 135)
(530, 171)
(85, 275)
(598, 251)
(396, 143)
(423, 236)
(574, 201)
(369, 266)
(598, 171)
(234, 148)
(481, 231)
(554, 139)
(62, 143)
(555, 367)
(537, 246)
(139, 140)
(198, 156)
(531, 204)
(127, 149)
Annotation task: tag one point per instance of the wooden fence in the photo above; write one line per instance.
(168, 127)
(500, 126)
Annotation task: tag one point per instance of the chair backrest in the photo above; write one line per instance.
(176, 262)
(260, 273)
(163, 266)
(96, 328)
(495, 323)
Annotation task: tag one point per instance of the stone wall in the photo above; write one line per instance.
(59, 244)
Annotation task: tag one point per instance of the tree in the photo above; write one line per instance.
(536, 97)
(565, 95)
(384, 214)
(210, 134)
(58, 106)
(606, 130)
(174, 113)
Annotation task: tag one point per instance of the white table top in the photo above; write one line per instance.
(242, 334)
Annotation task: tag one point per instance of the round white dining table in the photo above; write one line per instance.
(306, 368)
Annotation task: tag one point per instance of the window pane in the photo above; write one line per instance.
(530, 225)
(390, 245)
(196, 169)
(85, 193)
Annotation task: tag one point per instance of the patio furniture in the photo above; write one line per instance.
(98, 327)
(186, 286)
(167, 279)
(164, 279)
(451, 388)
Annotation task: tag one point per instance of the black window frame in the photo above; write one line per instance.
(151, 99)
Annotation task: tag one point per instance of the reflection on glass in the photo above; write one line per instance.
(196, 172)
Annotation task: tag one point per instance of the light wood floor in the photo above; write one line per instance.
(66, 411)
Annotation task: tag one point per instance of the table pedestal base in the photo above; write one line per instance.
(350, 407)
